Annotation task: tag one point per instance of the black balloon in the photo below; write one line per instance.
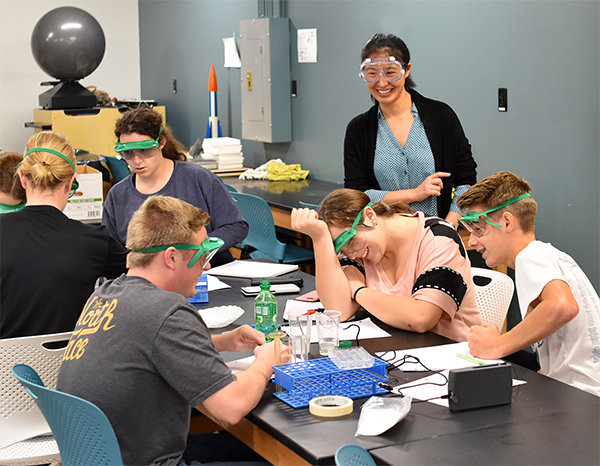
(68, 43)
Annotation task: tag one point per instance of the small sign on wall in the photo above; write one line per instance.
(307, 45)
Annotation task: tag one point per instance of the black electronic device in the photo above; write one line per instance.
(298, 281)
(476, 387)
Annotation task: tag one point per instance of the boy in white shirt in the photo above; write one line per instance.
(559, 306)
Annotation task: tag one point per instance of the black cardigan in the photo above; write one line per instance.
(450, 147)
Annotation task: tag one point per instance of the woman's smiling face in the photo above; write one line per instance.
(382, 90)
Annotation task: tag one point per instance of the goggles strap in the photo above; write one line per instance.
(42, 149)
(474, 216)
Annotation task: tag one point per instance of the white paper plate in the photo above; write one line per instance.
(220, 316)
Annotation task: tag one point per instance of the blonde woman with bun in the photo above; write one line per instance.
(50, 263)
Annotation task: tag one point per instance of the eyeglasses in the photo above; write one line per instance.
(345, 236)
(206, 250)
(142, 148)
(472, 219)
(391, 69)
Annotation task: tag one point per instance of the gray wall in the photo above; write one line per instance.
(546, 53)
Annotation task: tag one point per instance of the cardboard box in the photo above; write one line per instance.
(86, 204)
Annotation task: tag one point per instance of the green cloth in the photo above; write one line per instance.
(283, 172)
(5, 208)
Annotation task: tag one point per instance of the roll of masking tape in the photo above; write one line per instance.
(330, 406)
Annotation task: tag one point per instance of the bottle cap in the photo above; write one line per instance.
(345, 344)
(265, 284)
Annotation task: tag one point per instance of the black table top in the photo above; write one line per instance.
(286, 195)
(548, 422)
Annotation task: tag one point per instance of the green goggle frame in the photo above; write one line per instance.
(473, 217)
(209, 246)
(75, 184)
(345, 236)
(138, 145)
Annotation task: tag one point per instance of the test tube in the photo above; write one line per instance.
(276, 337)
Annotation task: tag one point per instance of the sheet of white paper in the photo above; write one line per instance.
(240, 364)
(428, 391)
(291, 305)
(232, 57)
(437, 358)
(307, 45)
(367, 330)
(215, 284)
(251, 269)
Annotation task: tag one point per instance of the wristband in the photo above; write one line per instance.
(356, 292)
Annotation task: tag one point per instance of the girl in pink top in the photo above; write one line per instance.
(408, 270)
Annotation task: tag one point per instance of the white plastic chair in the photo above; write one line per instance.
(25, 437)
(493, 299)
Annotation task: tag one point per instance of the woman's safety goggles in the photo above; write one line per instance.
(206, 250)
(345, 236)
(75, 185)
(472, 220)
(126, 148)
(391, 69)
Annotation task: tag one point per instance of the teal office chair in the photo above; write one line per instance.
(25, 437)
(230, 188)
(82, 431)
(262, 235)
(118, 168)
(353, 455)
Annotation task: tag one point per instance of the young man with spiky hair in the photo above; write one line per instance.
(559, 306)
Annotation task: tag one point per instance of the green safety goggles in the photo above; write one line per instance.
(208, 248)
(470, 220)
(75, 184)
(121, 147)
(345, 236)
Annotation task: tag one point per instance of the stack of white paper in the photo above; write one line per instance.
(226, 151)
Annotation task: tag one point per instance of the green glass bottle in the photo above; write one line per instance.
(265, 309)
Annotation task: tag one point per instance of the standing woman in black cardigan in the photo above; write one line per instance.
(407, 147)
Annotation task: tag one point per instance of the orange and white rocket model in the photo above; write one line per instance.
(214, 125)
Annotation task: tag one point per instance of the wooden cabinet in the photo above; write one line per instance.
(93, 132)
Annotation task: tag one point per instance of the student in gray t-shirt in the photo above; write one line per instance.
(142, 353)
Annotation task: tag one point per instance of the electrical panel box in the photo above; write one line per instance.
(266, 79)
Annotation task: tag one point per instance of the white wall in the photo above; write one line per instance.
(20, 76)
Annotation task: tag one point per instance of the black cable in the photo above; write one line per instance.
(357, 332)
(405, 360)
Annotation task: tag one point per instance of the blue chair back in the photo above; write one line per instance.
(230, 188)
(82, 431)
(262, 235)
(353, 455)
(118, 167)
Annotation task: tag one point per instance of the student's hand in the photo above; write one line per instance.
(484, 341)
(266, 354)
(432, 186)
(242, 338)
(307, 221)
